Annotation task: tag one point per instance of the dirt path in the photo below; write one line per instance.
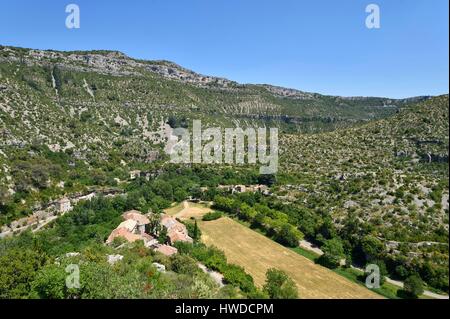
(216, 276)
(311, 247)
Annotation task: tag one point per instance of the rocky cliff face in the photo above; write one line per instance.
(118, 64)
(110, 63)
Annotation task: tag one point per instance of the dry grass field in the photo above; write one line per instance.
(174, 209)
(186, 210)
(257, 253)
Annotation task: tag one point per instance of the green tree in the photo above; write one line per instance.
(279, 285)
(39, 176)
(372, 247)
(402, 271)
(163, 189)
(289, 235)
(58, 77)
(154, 227)
(195, 231)
(172, 121)
(162, 237)
(413, 286)
(184, 264)
(237, 276)
(333, 252)
(180, 195)
(18, 268)
(50, 283)
(267, 179)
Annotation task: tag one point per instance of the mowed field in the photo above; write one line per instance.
(257, 253)
(186, 210)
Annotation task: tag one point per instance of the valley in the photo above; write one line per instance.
(365, 179)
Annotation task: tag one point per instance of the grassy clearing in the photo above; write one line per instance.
(257, 253)
(174, 209)
(306, 253)
(186, 210)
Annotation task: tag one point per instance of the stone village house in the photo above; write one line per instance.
(133, 228)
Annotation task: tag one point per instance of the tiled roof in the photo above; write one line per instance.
(136, 216)
(123, 233)
(171, 223)
(178, 236)
(168, 221)
(129, 224)
(166, 250)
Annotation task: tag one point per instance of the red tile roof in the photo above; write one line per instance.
(178, 236)
(123, 233)
(136, 216)
(166, 250)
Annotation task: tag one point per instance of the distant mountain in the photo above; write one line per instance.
(81, 99)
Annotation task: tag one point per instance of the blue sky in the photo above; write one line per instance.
(316, 45)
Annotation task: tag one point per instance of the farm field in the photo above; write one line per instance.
(256, 254)
(186, 210)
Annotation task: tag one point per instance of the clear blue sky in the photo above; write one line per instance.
(316, 45)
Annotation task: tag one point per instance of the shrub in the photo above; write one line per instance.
(413, 286)
(237, 276)
(372, 247)
(279, 285)
(333, 252)
(184, 264)
(289, 235)
(212, 216)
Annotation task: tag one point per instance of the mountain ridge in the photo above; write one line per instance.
(115, 55)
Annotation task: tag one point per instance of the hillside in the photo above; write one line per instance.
(59, 97)
(368, 173)
(387, 179)
(102, 105)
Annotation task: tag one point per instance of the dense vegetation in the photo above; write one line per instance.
(353, 242)
(34, 264)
